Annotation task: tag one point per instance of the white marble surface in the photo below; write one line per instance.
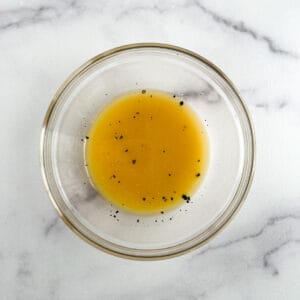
(257, 43)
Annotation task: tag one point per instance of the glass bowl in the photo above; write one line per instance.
(156, 67)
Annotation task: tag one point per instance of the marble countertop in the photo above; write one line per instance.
(256, 43)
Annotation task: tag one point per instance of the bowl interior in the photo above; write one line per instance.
(170, 70)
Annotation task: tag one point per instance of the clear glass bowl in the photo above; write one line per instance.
(157, 67)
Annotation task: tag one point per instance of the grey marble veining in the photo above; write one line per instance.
(264, 232)
(241, 27)
(256, 43)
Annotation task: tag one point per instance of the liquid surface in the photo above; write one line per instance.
(147, 152)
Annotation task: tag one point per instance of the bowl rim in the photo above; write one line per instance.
(100, 57)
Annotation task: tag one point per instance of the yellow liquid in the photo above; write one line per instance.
(147, 152)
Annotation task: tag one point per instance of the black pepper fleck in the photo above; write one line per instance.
(117, 212)
(144, 199)
(184, 197)
(181, 103)
(133, 161)
(198, 174)
(162, 212)
(143, 91)
(174, 96)
(126, 150)
(87, 137)
(82, 140)
(137, 220)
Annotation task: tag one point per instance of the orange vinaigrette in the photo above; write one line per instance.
(147, 152)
